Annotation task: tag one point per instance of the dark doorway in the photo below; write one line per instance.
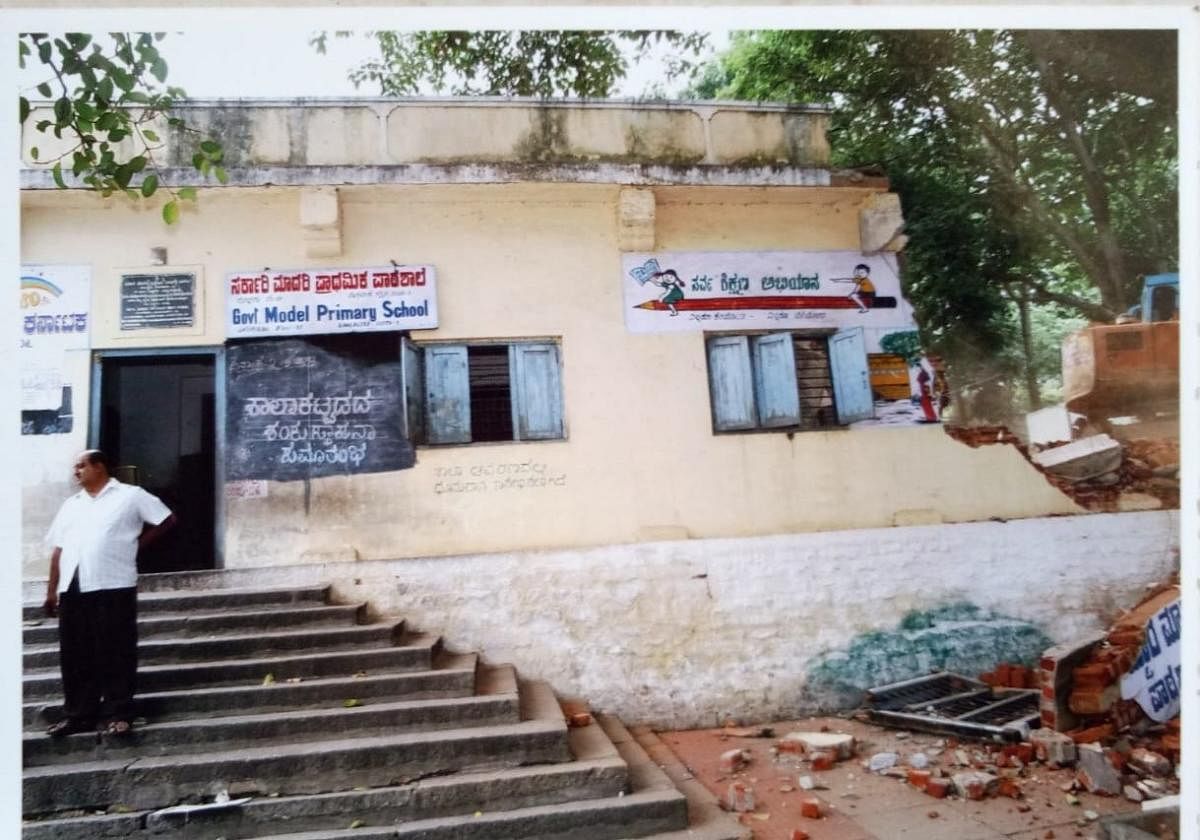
(157, 422)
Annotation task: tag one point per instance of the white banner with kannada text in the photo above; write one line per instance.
(755, 290)
(1155, 680)
(330, 300)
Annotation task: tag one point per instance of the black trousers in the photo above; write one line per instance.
(97, 638)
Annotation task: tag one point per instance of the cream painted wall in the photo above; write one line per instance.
(541, 260)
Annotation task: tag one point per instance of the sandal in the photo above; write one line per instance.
(68, 726)
(120, 728)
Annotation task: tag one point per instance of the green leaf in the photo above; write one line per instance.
(33, 152)
(122, 79)
(159, 69)
(104, 90)
(123, 175)
(42, 125)
(198, 160)
(44, 89)
(149, 185)
(170, 214)
(187, 193)
(44, 52)
(63, 110)
(58, 178)
(78, 40)
(24, 109)
(210, 147)
(136, 96)
(222, 176)
(150, 135)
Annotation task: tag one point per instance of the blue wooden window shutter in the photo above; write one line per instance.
(447, 394)
(775, 390)
(536, 391)
(730, 383)
(851, 379)
(412, 391)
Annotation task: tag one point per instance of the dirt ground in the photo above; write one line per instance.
(860, 805)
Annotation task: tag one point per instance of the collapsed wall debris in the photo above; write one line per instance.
(1100, 473)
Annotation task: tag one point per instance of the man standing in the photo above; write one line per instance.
(94, 541)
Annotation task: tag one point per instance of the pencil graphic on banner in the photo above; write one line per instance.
(768, 302)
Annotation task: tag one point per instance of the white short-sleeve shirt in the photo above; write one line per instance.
(98, 535)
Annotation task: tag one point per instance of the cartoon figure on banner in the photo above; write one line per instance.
(864, 289)
(672, 288)
(668, 280)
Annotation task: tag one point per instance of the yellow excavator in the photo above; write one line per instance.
(1129, 369)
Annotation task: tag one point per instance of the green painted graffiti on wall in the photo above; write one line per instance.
(956, 637)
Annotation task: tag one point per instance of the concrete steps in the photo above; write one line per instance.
(224, 646)
(213, 622)
(270, 713)
(210, 600)
(412, 654)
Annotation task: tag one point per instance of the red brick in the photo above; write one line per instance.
(1048, 717)
(578, 719)
(800, 834)
(1094, 701)
(811, 808)
(988, 678)
(937, 788)
(823, 761)
(1018, 676)
(732, 761)
(1048, 692)
(1002, 673)
(1049, 663)
(1094, 673)
(975, 790)
(790, 746)
(1093, 733)
(919, 778)
(1009, 788)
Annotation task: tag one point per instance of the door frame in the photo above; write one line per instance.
(217, 354)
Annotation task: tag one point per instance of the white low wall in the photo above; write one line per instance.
(688, 633)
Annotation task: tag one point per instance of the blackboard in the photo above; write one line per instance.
(297, 410)
(155, 301)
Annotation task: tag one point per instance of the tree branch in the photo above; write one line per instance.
(1095, 188)
(1008, 168)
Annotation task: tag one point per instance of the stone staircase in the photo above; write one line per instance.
(271, 712)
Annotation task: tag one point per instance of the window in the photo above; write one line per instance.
(788, 380)
(476, 393)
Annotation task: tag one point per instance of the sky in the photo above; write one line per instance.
(252, 62)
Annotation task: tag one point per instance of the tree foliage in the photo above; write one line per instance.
(1036, 169)
(105, 100)
(541, 63)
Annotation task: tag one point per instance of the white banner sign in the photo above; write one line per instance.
(330, 300)
(1154, 679)
(740, 290)
(56, 302)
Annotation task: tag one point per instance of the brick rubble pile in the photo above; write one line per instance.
(1149, 470)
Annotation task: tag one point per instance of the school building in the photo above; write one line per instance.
(604, 389)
